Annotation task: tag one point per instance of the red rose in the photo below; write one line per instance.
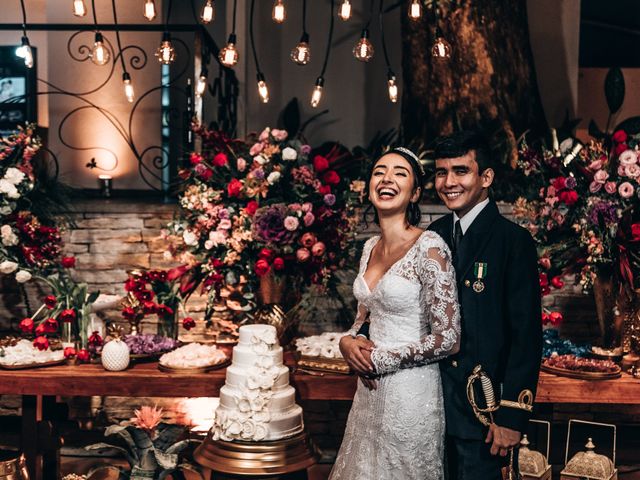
(220, 160)
(68, 315)
(50, 325)
(188, 323)
(40, 329)
(164, 310)
(267, 254)
(128, 313)
(26, 325)
(620, 136)
(331, 177)
(251, 208)
(621, 147)
(149, 307)
(324, 189)
(559, 183)
(555, 318)
(95, 340)
(195, 158)
(320, 164)
(545, 318)
(557, 282)
(41, 343)
(544, 281)
(262, 267)
(50, 301)
(234, 188)
(569, 197)
(83, 355)
(206, 174)
(278, 264)
(68, 262)
(69, 352)
(635, 231)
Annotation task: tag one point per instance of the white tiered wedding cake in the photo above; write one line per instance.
(257, 403)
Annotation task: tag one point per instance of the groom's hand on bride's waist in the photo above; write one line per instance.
(502, 439)
(357, 354)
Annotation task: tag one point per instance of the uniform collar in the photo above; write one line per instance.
(467, 220)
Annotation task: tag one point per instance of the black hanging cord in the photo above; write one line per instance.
(366, 27)
(93, 9)
(235, 9)
(329, 39)
(24, 18)
(115, 21)
(253, 43)
(384, 43)
(169, 11)
(304, 18)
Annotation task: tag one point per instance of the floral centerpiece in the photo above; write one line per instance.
(260, 211)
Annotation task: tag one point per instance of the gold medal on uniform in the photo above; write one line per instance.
(479, 271)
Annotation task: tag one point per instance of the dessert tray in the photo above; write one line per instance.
(193, 358)
(321, 353)
(22, 355)
(24, 366)
(323, 364)
(581, 368)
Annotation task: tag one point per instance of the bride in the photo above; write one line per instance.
(406, 290)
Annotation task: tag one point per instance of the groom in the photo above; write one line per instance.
(498, 290)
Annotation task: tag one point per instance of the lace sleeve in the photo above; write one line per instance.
(361, 317)
(440, 298)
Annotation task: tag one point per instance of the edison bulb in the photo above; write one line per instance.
(79, 8)
(25, 52)
(208, 12)
(149, 9)
(99, 54)
(128, 87)
(201, 84)
(166, 54)
(441, 49)
(415, 10)
(363, 50)
(316, 95)
(263, 90)
(345, 10)
(301, 54)
(228, 56)
(392, 87)
(279, 14)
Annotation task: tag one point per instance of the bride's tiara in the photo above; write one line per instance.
(408, 152)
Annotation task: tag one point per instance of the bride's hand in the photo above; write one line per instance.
(353, 350)
(369, 383)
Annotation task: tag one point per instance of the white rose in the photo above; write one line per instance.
(23, 276)
(244, 405)
(260, 159)
(273, 177)
(265, 361)
(270, 336)
(258, 404)
(267, 382)
(235, 428)
(260, 433)
(9, 189)
(253, 382)
(8, 267)
(289, 154)
(260, 348)
(208, 244)
(188, 236)
(6, 209)
(248, 429)
(262, 417)
(8, 237)
(14, 175)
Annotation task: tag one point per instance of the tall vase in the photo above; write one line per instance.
(605, 294)
(270, 310)
(168, 324)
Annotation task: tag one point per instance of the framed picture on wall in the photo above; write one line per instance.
(18, 90)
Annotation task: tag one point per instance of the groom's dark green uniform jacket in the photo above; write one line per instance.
(501, 321)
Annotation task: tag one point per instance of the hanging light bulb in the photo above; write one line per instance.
(25, 52)
(392, 87)
(363, 50)
(345, 10)
(316, 96)
(441, 49)
(149, 9)
(279, 14)
(165, 53)
(201, 84)
(128, 87)
(208, 12)
(301, 54)
(263, 90)
(415, 10)
(99, 54)
(79, 8)
(228, 56)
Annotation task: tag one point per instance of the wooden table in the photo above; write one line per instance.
(39, 387)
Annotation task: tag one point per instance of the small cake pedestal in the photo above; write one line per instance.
(287, 458)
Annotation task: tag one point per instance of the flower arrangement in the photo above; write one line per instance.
(266, 206)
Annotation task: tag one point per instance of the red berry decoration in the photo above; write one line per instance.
(83, 355)
(188, 323)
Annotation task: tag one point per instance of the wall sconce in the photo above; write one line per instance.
(106, 185)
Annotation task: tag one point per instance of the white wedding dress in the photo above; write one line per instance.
(397, 431)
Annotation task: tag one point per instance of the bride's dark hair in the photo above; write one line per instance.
(413, 213)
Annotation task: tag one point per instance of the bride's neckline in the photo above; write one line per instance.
(375, 240)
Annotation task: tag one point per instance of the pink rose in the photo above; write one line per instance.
(291, 223)
(626, 190)
(256, 149)
(595, 187)
(545, 262)
(264, 135)
(611, 187)
(308, 239)
(595, 165)
(225, 224)
(307, 206)
(632, 171)
(318, 249)
(303, 255)
(279, 135)
(621, 171)
(600, 176)
(628, 157)
(241, 164)
(308, 219)
(295, 207)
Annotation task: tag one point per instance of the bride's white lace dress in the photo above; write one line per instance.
(397, 431)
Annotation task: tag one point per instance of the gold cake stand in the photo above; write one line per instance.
(264, 459)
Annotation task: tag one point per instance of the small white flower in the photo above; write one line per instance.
(23, 276)
(260, 160)
(260, 433)
(9, 189)
(8, 237)
(262, 417)
(273, 177)
(8, 267)
(6, 209)
(234, 428)
(289, 154)
(244, 405)
(270, 337)
(248, 429)
(14, 175)
(265, 361)
(189, 237)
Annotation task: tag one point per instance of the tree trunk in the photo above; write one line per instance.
(489, 79)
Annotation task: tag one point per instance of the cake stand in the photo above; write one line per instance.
(287, 458)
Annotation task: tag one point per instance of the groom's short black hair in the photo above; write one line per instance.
(460, 143)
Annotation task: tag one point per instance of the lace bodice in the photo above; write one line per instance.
(413, 309)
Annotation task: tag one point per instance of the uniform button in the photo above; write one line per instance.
(467, 283)
(454, 364)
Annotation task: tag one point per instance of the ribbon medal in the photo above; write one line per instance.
(479, 271)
